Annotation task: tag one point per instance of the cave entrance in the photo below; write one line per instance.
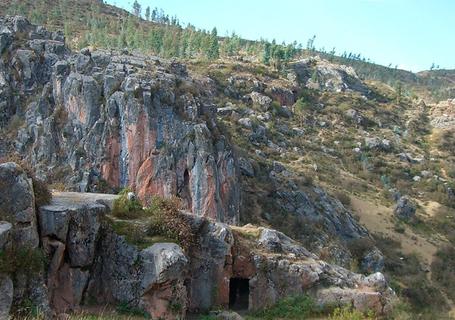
(239, 293)
(184, 192)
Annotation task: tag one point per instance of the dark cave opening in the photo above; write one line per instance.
(239, 293)
(184, 191)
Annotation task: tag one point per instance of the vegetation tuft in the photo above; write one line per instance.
(22, 260)
(160, 221)
(125, 208)
(298, 307)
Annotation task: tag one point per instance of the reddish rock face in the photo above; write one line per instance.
(155, 152)
(129, 123)
(124, 119)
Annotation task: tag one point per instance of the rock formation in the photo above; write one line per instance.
(128, 120)
(89, 262)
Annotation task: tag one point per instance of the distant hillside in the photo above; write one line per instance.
(93, 23)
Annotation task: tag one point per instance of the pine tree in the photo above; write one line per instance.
(137, 9)
(266, 53)
(147, 13)
(310, 43)
(213, 49)
(154, 14)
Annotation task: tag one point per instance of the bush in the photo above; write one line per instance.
(443, 270)
(348, 313)
(134, 234)
(124, 208)
(298, 307)
(423, 295)
(125, 309)
(24, 260)
(343, 197)
(360, 246)
(43, 195)
(169, 222)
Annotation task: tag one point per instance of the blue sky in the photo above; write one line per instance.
(409, 33)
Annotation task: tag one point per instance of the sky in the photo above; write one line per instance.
(409, 33)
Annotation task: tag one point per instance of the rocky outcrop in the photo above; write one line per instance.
(90, 263)
(442, 114)
(98, 120)
(274, 267)
(405, 208)
(316, 73)
(128, 120)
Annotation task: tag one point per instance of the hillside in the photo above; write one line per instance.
(91, 22)
(352, 160)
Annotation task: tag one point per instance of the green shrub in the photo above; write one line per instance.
(124, 208)
(360, 246)
(134, 234)
(125, 309)
(422, 294)
(298, 307)
(348, 313)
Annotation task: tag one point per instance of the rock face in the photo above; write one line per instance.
(97, 120)
(18, 205)
(6, 284)
(122, 119)
(6, 296)
(19, 232)
(273, 266)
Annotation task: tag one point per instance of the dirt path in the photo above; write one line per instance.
(379, 219)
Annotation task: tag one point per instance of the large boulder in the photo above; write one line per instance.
(164, 269)
(373, 261)
(263, 101)
(316, 73)
(69, 230)
(405, 209)
(17, 205)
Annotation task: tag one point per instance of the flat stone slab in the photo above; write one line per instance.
(79, 199)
